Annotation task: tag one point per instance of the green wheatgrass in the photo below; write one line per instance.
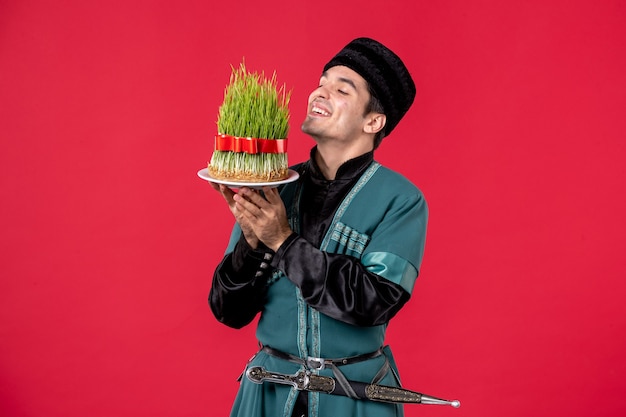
(254, 106)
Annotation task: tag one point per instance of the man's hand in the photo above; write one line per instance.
(246, 228)
(267, 217)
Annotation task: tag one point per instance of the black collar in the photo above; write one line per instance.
(349, 170)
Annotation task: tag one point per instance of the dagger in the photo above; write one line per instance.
(307, 381)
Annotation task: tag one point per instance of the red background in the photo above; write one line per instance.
(108, 238)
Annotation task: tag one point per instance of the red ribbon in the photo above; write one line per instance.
(249, 145)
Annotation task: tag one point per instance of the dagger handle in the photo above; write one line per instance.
(258, 374)
(302, 380)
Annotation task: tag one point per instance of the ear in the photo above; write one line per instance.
(375, 122)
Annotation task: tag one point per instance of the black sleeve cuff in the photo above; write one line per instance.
(280, 253)
(249, 263)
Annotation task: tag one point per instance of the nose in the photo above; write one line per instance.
(320, 91)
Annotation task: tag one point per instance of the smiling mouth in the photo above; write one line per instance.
(320, 111)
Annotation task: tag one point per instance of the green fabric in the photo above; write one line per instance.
(391, 267)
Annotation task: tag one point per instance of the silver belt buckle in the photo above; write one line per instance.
(315, 363)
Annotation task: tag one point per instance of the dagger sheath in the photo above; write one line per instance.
(307, 381)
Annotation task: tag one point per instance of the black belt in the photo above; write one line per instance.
(320, 363)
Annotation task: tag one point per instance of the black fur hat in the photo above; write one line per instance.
(384, 71)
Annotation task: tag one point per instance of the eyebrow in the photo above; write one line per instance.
(342, 79)
(348, 81)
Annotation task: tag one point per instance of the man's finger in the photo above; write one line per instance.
(253, 196)
(243, 203)
(227, 193)
(272, 195)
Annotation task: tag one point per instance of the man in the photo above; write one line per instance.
(331, 258)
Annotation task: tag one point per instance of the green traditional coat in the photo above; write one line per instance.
(382, 222)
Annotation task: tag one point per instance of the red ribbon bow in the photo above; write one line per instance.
(249, 145)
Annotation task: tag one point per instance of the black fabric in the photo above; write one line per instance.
(301, 406)
(321, 197)
(237, 295)
(385, 73)
(336, 285)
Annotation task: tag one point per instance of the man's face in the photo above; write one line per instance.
(336, 108)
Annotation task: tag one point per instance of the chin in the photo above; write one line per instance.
(307, 128)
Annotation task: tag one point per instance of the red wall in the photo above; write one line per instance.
(108, 238)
